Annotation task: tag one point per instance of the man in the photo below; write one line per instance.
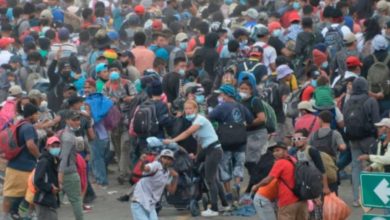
(68, 178)
(250, 16)
(19, 168)
(269, 53)
(102, 74)
(254, 64)
(353, 71)
(172, 82)
(199, 40)
(148, 191)
(181, 41)
(160, 42)
(66, 47)
(360, 112)
(6, 49)
(232, 112)
(290, 208)
(307, 119)
(143, 57)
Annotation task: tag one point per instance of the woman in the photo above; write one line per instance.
(256, 132)
(371, 29)
(211, 153)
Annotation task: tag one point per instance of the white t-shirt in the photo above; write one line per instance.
(344, 30)
(269, 54)
(205, 135)
(5, 56)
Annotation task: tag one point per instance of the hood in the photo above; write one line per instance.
(360, 86)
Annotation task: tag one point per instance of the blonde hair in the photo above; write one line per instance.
(193, 103)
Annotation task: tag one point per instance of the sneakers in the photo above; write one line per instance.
(209, 213)
(356, 204)
(87, 208)
(226, 208)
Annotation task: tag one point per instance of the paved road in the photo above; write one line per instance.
(107, 207)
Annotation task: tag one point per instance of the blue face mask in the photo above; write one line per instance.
(228, 2)
(115, 76)
(55, 151)
(182, 72)
(190, 117)
(296, 5)
(243, 2)
(382, 137)
(199, 99)
(313, 82)
(325, 65)
(183, 45)
(277, 33)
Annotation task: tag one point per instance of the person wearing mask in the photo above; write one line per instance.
(289, 206)
(172, 82)
(143, 56)
(102, 73)
(46, 180)
(211, 153)
(6, 49)
(232, 112)
(128, 64)
(181, 41)
(19, 168)
(257, 135)
(68, 178)
(359, 127)
(148, 190)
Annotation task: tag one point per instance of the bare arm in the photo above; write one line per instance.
(33, 148)
(171, 188)
(263, 182)
(185, 134)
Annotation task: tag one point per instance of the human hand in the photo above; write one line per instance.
(167, 141)
(173, 173)
(255, 188)
(317, 201)
(363, 157)
(54, 189)
(142, 157)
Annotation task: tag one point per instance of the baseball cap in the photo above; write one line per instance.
(274, 25)
(353, 61)
(139, 9)
(15, 90)
(252, 13)
(167, 153)
(349, 38)
(228, 90)
(53, 140)
(113, 35)
(46, 14)
(101, 67)
(72, 115)
(180, 37)
(63, 33)
(278, 145)
(294, 16)
(5, 41)
(157, 25)
(262, 31)
(384, 122)
(379, 43)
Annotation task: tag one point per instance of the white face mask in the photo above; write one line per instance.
(244, 95)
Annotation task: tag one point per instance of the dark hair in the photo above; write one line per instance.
(99, 12)
(51, 34)
(17, 11)
(211, 40)
(99, 4)
(29, 8)
(233, 46)
(326, 116)
(34, 56)
(246, 82)
(158, 61)
(178, 60)
(314, 3)
(197, 60)
(86, 13)
(74, 100)
(84, 36)
(372, 29)
(328, 12)
(203, 27)
(303, 131)
(139, 38)
(322, 80)
(191, 75)
(280, 60)
(6, 27)
(307, 9)
(307, 22)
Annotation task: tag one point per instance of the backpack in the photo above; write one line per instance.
(292, 103)
(357, 124)
(15, 30)
(270, 94)
(378, 76)
(9, 146)
(137, 173)
(334, 39)
(7, 113)
(328, 162)
(270, 116)
(144, 122)
(308, 181)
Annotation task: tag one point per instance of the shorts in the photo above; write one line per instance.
(15, 183)
(232, 165)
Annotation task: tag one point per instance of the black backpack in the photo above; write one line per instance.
(308, 181)
(145, 121)
(357, 124)
(324, 144)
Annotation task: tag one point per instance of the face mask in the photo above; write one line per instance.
(190, 117)
(115, 76)
(43, 106)
(182, 72)
(33, 67)
(243, 2)
(228, 2)
(55, 151)
(296, 5)
(382, 137)
(82, 108)
(243, 43)
(226, 41)
(277, 33)
(324, 65)
(220, 100)
(244, 95)
(199, 99)
(313, 82)
(74, 129)
(183, 45)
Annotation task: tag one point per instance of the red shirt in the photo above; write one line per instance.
(192, 43)
(307, 93)
(306, 121)
(283, 170)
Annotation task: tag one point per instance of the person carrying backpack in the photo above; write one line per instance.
(20, 166)
(376, 68)
(290, 207)
(360, 112)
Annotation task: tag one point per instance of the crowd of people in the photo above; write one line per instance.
(258, 85)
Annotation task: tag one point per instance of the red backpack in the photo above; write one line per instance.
(7, 113)
(137, 173)
(9, 146)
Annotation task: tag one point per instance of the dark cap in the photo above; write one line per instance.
(69, 86)
(72, 115)
(278, 145)
(74, 99)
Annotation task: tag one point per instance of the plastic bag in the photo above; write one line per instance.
(335, 208)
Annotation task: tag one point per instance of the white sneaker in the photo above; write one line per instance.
(227, 208)
(209, 213)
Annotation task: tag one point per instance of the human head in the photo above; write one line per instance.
(160, 39)
(325, 118)
(15, 91)
(72, 120)
(31, 112)
(383, 127)
(180, 65)
(305, 107)
(284, 72)
(307, 23)
(53, 146)
(89, 86)
(75, 102)
(190, 107)
(354, 64)
(227, 92)
(102, 71)
(245, 89)
(166, 158)
(139, 38)
(279, 150)
(299, 138)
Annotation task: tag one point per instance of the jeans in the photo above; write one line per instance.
(358, 147)
(232, 165)
(99, 167)
(345, 158)
(264, 208)
(72, 189)
(44, 212)
(139, 213)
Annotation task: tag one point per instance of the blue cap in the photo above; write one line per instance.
(228, 90)
(101, 67)
(113, 35)
(162, 53)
